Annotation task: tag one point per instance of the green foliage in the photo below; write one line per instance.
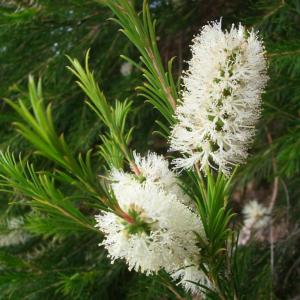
(160, 89)
(250, 283)
(42, 194)
(38, 128)
(113, 118)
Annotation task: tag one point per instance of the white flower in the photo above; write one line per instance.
(15, 223)
(13, 234)
(256, 216)
(126, 69)
(157, 232)
(191, 277)
(43, 249)
(153, 169)
(221, 101)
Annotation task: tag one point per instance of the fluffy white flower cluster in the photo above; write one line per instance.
(221, 98)
(256, 216)
(13, 234)
(126, 69)
(191, 278)
(158, 230)
(155, 170)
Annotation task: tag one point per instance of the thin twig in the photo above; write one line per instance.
(288, 205)
(274, 193)
(276, 179)
(171, 288)
(270, 13)
(271, 206)
(283, 53)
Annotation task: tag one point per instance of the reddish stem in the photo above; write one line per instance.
(119, 212)
(134, 168)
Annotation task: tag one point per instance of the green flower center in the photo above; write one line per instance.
(139, 223)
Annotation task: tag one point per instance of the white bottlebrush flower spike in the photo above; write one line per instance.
(221, 99)
(256, 216)
(158, 231)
